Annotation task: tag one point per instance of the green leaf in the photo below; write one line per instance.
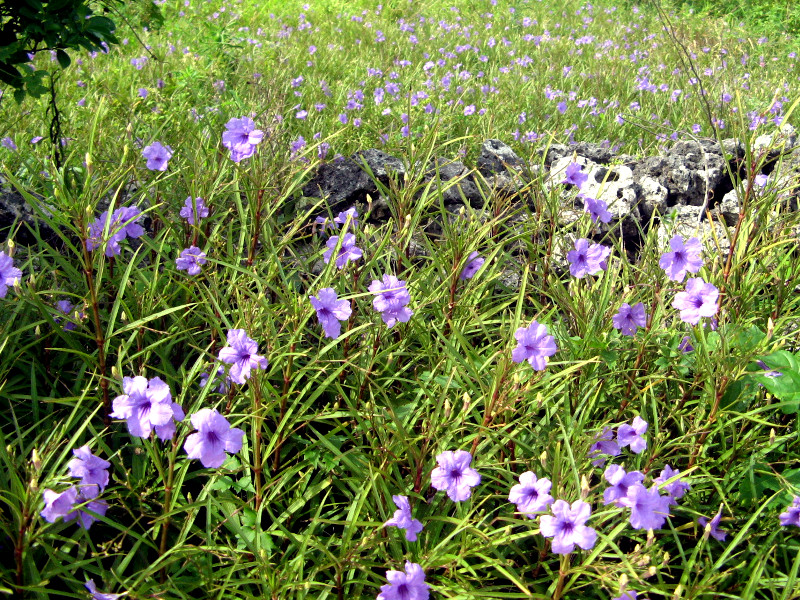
(63, 59)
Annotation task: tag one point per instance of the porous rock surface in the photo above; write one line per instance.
(675, 192)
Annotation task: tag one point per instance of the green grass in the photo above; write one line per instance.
(334, 428)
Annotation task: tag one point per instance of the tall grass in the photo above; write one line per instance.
(335, 427)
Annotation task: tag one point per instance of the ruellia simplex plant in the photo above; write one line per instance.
(214, 386)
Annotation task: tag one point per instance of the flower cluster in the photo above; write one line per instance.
(214, 437)
(79, 501)
(587, 260)
(330, 310)
(190, 260)
(241, 352)
(391, 300)
(194, 210)
(627, 435)
(9, 274)
(534, 345)
(147, 406)
(157, 156)
(123, 223)
(241, 137)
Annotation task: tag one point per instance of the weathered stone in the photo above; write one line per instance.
(597, 153)
(497, 157)
(689, 221)
(16, 210)
(455, 183)
(779, 142)
(346, 182)
(692, 172)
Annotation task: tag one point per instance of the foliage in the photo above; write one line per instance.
(31, 26)
(335, 427)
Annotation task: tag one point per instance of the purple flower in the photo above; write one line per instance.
(123, 223)
(535, 345)
(347, 251)
(391, 300)
(769, 372)
(604, 445)
(59, 505)
(213, 439)
(649, 509)
(408, 585)
(454, 475)
(222, 381)
(330, 310)
(147, 405)
(9, 274)
(194, 210)
(683, 258)
(567, 527)
(699, 300)
(85, 518)
(325, 223)
(474, 263)
(64, 505)
(597, 209)
(629, 595)
(620, 482)
(574, 175)
(629, 318)
(351, 212)
(531, 495)
(686, 345)
(157, 156)
(628, 435)
(191, 260)
(143, 93)
(89, 585)
(675, 489)
(402, 518)
(7, 142)
(587, 260)
(241, 137)
(92, 470)
(241, 353)
(65, 307)
(760, 180)
(792, 514)
(713, 526)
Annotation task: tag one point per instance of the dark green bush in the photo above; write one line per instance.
(31, 26)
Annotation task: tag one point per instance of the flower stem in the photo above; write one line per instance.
(88, 271)
(287, 379)
(252, 253)
(257, 462)
(562, 575)
(162, 547)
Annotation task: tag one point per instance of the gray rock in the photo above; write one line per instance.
(343, 183)
(597, 153)
(689, 221)
(692, 172)
(779, 142)
(16, 210)
(498, 157)
(454, 182)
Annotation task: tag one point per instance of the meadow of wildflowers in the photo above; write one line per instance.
(215, 386)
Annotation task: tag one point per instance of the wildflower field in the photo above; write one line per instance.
(215, 385)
